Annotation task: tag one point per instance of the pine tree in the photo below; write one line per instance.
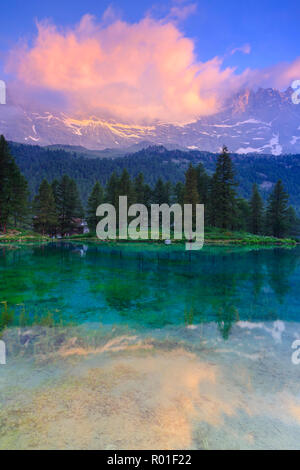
(179, 193)
(139, 188)
(126, 188)
(112, 190)
(241, 221)
(256, 211)
(45, 220)
(5, 183)
(55, 190)
(168, 192)
(64, 208)
(19, 203)
(68, 204)
(13, 188)
(222, 193)
(95, 199)
(75, 201)
(203, 181)
(161, 192)
(143, 194)
(213, 201)
(293, 222)
(203, 187)
(191, 195)
(148, 195)
(277, 222)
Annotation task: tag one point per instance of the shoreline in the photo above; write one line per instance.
(212, 237)
(4, 241)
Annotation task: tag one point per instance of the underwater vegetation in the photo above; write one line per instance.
(19, 316)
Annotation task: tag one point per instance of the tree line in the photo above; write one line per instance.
(226, 210)
(37, 163)
(57, 205)
(13, 190)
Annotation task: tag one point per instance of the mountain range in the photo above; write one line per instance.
(264, 121)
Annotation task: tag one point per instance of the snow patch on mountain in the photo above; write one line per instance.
(262, 121)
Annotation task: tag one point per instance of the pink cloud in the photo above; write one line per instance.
(280, 75)
(181, 12)
(245, 49)
(135, 72)
(141, 72)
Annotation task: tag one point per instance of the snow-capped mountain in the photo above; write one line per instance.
(262, 121)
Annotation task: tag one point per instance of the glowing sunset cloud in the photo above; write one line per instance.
(135, 73)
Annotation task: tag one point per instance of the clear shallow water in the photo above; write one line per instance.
(180, 350)
(148, 288)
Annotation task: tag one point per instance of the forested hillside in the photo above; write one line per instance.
(56, 208)
(37, 163)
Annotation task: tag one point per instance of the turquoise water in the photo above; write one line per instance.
(152, 288)
(137, 346)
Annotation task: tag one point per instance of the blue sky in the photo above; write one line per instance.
(270, 27)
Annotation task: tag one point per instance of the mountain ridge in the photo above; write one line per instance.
(156, 162)
(261, 121)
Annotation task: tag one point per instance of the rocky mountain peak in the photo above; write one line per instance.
(264, 120)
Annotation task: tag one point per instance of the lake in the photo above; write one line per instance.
(143, 346)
